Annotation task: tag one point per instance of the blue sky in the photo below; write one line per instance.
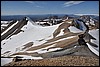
(49, 7)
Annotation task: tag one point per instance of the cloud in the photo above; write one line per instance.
(29, 2)
(39, 6)
(71, 3)
(34, 3)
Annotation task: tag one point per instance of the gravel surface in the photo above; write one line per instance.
(59, 61)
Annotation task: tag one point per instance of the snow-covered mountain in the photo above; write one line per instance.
(27, 39)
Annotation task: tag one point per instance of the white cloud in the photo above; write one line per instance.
(29, 2)
(70, 3)
(39, 6)
(35, 4)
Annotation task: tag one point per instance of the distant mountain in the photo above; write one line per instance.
(19, 17)
(95, 17)
(38, 17)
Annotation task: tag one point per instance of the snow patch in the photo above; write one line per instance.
(28, 57)
(5, 61)
(74, 29)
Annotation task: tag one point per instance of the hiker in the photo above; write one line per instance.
(81, 41)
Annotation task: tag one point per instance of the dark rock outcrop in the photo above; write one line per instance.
(15, 29)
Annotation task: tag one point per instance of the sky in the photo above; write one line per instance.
(49, 7)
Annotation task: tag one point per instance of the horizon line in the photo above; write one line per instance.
(50, 14)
